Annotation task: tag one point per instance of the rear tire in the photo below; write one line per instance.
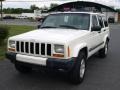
(78, 72)
(104, 51)
(22, 69)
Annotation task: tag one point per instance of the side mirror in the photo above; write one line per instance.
(41, 20)
(96, 28)
(38, 26)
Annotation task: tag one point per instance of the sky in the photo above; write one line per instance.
(42, 3)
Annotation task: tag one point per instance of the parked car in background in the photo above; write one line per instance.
(22, 17)
(9, 17)
(111, 20)
(39, 19)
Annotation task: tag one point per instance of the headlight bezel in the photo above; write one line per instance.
(59, 49)
(11, 44)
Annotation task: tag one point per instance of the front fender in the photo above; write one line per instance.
(105, 38)
(77, 49)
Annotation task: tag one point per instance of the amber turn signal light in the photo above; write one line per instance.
(11, 49)
(58, 55)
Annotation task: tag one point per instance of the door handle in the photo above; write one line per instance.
(99, 31)
(104, 30)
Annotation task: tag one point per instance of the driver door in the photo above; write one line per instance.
(94, 35)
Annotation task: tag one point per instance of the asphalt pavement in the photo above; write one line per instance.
(102, 74)
(26, 22)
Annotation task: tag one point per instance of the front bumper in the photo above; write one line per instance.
(52, 63)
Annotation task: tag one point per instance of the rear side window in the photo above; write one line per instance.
(100, 21)
(94, 21)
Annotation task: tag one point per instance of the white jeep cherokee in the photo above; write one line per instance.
(64, 41)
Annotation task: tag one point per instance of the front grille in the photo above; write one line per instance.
(37, 48)
(48, 49)
(26, 47)
(42, 49)
(22, 46)
(33, 48)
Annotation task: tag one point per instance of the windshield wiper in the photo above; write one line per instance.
(67, 26)
(48, 27)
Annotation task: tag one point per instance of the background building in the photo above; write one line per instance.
(87, 6)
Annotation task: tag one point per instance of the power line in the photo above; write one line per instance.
(36, 0)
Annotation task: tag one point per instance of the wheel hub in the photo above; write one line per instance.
(106, 49)
(82, 68)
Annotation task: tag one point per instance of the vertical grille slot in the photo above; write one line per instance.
(32, 48)
(22, 46)
(42, 49)
(49, 49)
(37, 48)
(26, 47)
(17, 46)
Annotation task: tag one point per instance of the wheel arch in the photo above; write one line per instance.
(106, 38)
(82, 47)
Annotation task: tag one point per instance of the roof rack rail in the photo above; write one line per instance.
(80, 10)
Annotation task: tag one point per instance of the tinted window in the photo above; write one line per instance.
(94, 21)
(100, 21)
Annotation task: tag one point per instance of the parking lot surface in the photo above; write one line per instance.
(19, 22)
(102, 74)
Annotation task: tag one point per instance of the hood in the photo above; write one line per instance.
(50, 35)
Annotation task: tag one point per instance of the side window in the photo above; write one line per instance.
(100, 21)
(106, 23)
(94, 21)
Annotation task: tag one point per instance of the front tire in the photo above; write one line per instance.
(78, 72)
(22, 69)
(104, 51)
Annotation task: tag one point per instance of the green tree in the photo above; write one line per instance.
(16, 10)
(1, 7)
(52, 5)
(33, 7)
(118, 10)
(44, 9)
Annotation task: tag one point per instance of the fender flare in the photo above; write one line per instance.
(105, 38)
(77, 49)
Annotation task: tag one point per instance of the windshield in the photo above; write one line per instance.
(67, 20)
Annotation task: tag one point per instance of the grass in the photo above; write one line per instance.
(13, 30)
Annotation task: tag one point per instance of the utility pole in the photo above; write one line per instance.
(1, 10)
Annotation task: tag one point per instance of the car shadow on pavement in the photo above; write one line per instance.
(55, 77)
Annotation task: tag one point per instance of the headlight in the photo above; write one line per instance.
(59, 48)
(12, 44)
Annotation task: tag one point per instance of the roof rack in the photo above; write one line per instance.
(92, 6)
(80, 10)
